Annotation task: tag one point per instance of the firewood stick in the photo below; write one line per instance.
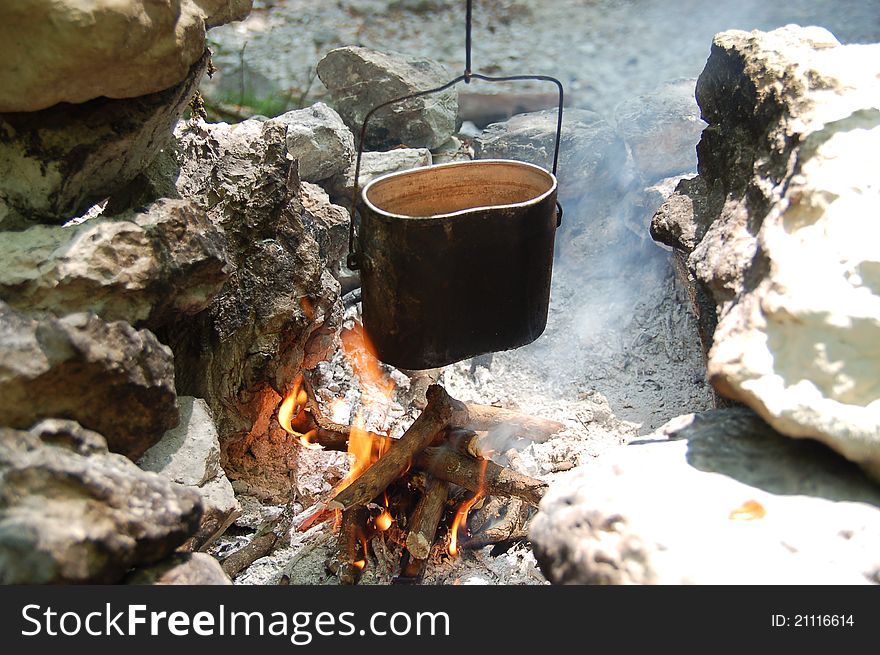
(502, 521)
(464, 471)
(271, 534)
(351, 558)
(464, 441)
(398, 459)
(426, 518)
(485, 417)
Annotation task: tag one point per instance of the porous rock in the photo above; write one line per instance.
(189, 454)
(58, 162)
(71, 512)
(109, 377)
(779, 228)
(319, 141)
(142, 267)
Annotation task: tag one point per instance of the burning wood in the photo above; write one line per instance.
(387, 469)
(465, 471)
(444, 450)
(351, 559)
(426, 518)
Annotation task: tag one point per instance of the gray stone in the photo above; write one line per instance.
(640, 205)
(662, 130)
(89, 58)
(181, 569)
(591, 154)
(376, 164)
(776, 227)
(360, 79)
(319, 141)
(453, 150)
(108, 376)
(70, 512)
(326, 223)
(189, 454)
(56, 163)
(143, 267)
(716, 498)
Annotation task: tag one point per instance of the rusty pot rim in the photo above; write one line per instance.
(507, 162)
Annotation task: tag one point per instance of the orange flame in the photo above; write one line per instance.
(292, 407)
(463, 510)
(361, 355)
(377, 388)
(384, 520)
(362, 563)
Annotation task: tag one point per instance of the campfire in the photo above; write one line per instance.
(405, 497)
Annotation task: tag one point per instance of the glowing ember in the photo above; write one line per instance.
(463, 510)
(340, 412)
(384, 520)
(748, 511)
(360, 564)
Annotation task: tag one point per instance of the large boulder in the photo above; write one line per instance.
(360, 79)
(56, 163)
(77, 50)
(71, 512)
(280, 310)
(780, 229)
(716, 498)
(107, 376)
(142, 267)
(189, 454)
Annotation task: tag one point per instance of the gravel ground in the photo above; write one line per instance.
(604, 51)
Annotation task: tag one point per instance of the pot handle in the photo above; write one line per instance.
(466, 77)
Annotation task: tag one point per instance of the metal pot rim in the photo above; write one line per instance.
(461, 212)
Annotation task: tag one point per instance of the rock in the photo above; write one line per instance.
(326, 223)
(640, 205)
(778, 225)
(101, 47)
(189, 454)
(662, 130)
(280, 310)
(56, 163)
(453, 150)
(319, 141)
(716, 498)
(181, 569)
(71, 512)
(360, 79)
(143, 267)
(591, 153)
(107, 376)
(376, 164)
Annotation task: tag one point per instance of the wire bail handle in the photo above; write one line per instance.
(352, 261)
